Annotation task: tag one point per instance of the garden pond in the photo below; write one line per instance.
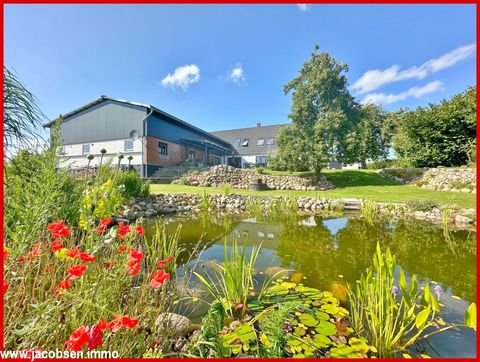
(327, 252)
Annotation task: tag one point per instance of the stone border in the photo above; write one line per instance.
(164, 204)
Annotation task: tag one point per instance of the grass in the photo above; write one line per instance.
(361, 184)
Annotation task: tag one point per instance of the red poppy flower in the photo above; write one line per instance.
(101, 228)
(121, 249)
(6, 254)
(86, 257)
(76, 271)
(64, 284)
(122, 230)
(58, 229)
(102, 324)
(78, 339)
(140, 230)
(95, 337)
(36, 250)
(133, 267)
(162, 263)
(56, 245)
(106, 221)
(5, 286)
(158, 278)
(122, 321)
(73, 253)
(108, 265)
(135, 254)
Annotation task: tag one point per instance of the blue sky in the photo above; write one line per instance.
(224, 66)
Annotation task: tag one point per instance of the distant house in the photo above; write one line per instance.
(252, 146)
(153, 138)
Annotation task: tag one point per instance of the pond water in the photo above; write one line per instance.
(326, 252)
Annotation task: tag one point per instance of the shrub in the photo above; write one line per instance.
(421, 205)
(134, 185)
(395, 317)
(377, 165)
(183, 181)
(260, 170)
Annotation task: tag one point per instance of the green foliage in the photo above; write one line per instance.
(183, 180)
(370, 211)
(163, 245)
(134, 185)
(394, 317)
(99, 201)
(206, 202)
(421, 205)
(36, 193)
(22, 118)
(323, 114)
(438, 135)
(227, 189)
(260, 170)
(206, 343)
(377, 165)
(232, 281)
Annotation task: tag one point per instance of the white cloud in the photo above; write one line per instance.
(182, 77)
(303, 7)
(236, 74)
(375, 78)
(415, 92)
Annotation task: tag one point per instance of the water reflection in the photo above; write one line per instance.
(328, 252)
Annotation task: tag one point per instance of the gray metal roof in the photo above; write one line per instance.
(146, 106)
(252, 134)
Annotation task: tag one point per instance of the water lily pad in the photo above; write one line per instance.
(358, 345)
(321, 341)
(322, 316)
(344, 351)
(326, 328)
(300, 331)
(294, 342)
(308, 319)
(330, 308)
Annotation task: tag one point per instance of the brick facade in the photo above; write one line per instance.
(177, 153)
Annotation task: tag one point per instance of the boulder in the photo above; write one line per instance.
(175, 325)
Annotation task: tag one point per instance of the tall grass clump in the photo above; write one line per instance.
(205, 202)
(370, 211)
(231, 281)
(395, 316)
(37, 192)
(227, 189)
(134, 185)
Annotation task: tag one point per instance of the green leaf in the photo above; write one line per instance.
(402, 282)
(326, 328)
(321, 341)
(308, 319)
(358, 345)
(322, 316)
(422, 318)
(471, 316)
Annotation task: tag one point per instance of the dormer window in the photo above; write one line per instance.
(245, 143)
(236, 143)
(270, 141)
(261, 142)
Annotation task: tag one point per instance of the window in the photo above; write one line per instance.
(236, 143)
(191, 155)
(261, 142)
(270, 141)
(85, 149)
(261, 160)
(128, 145)
(162, 148)
(245, 143)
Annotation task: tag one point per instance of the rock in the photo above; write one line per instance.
(465, 190)
(129, 214)
(174, 324)
(460, 219)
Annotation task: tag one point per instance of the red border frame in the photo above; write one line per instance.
(371, 2)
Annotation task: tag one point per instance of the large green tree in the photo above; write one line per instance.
(327, 123)
(438, 135)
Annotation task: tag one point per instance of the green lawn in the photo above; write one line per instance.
(360, 184)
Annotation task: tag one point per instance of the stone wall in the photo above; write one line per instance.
(162, 204)
(237, 178)
(440, 179)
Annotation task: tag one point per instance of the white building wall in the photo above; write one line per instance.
(73, 157)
